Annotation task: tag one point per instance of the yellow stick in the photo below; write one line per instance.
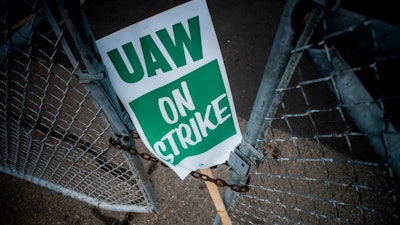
(216, 197)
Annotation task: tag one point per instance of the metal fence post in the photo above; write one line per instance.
(279, 69)
(279, 56)
(97, 82)
(78, 26)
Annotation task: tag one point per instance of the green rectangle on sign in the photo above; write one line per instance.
(188, 116)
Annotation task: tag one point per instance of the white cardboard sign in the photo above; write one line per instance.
(169, 73)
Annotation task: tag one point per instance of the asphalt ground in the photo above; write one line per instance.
(245, 31)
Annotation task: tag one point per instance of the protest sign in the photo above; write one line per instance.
(169, 74)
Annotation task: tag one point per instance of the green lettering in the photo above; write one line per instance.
(153, 57)
(192, 43)
(120, 66)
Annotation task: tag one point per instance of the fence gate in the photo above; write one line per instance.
(58, 111)
(322, 139)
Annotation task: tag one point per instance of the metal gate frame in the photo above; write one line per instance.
(287, 49)
(92, 76)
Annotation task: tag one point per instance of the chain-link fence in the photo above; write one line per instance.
(322, 136)
(57, 113)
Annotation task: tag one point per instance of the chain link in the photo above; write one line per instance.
(195, 174)
(133, 151)
(220, 182)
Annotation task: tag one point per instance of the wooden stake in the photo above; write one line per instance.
(216, 197)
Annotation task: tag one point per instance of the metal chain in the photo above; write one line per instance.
(133, 151)
(220, 182)
(197, 175)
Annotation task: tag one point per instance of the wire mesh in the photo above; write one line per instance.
(330, 147)
(52, 133)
